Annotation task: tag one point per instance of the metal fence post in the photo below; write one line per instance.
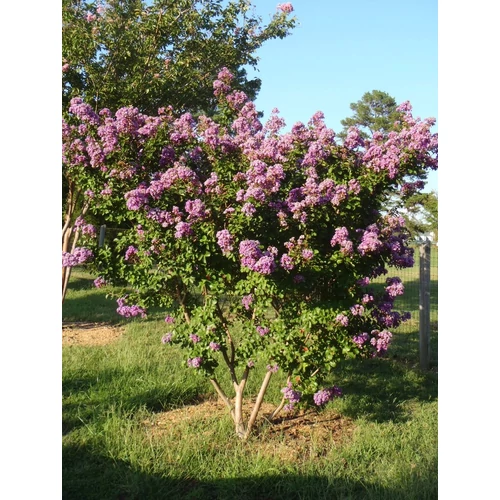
(424, 305)
(102, 233)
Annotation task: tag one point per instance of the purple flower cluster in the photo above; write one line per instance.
(183, 129)
(183, 230)
(361, 339)
(83, 112)
(225, 241)
(164, 217)
(272, 368)
(247, 301)
(80, 255)
(253, 258)
(353, 139)
(367, 298)
(370, 242)
(262, 330)
(166, 339)
(409, 188)
(212, 184)
(131, 253)
(357, 310)
(137, 198)
(86, 229)
(169, 319)
(322, 397)
(394, 287)
(307, 254)
(195, 362)
(237, 99)
(342, 319)
(129, 311)
(292, 396)
(381, 341)
(286, 262)
(99, 282)
(222, 84)
(194, 338)
(196, 210)
(214, 346)
(129, 120)
(341, 237)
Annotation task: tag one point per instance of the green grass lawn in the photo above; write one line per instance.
(386, 447)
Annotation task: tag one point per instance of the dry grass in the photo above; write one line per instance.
(89, 334)
(290, 438)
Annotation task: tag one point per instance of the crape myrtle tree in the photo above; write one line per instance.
(260, 245)
(119, 52)
(377, 114)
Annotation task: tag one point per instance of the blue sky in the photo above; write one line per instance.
(340, 50)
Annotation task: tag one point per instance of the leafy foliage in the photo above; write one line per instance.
(422, 213)
(121, 52)
(259, 244)
(376, 111)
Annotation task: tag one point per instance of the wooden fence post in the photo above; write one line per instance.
(102, 233)
(424, 305)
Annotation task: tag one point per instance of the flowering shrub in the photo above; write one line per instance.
(260, 244)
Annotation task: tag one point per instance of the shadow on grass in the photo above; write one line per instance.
(87, 475)
(377, 389)
(92, 307)
(409, 301)
(90, 399)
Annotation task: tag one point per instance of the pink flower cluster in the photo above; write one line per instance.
(322, 397)
(285, 7)
(381, 341)
(253, 258)
(225, 241)
(129, 311)
(195, 362)
(80, 255)
(292, 395)
(341, 238)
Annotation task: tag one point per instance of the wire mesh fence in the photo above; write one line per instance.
(409, 333)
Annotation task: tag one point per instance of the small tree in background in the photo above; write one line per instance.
(376, 111)
(119, 52)
(260, 245)
(422, 213)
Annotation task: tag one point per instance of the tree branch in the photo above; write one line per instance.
(258, 403)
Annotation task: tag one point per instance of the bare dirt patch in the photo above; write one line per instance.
(291, 438)
(90, 334)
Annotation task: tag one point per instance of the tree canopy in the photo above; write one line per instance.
(117, 53)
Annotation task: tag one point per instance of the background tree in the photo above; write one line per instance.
(422, 213)
(374, 112)
(121, 52)
(377, 114)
